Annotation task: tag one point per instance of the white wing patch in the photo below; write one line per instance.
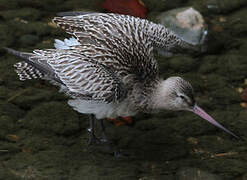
(66, 44)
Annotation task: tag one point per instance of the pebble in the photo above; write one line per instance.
(187, 23)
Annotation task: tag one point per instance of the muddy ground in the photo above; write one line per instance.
(41, 137)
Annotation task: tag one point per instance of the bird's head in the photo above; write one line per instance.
(177, 94)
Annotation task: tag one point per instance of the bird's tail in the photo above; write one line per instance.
(25, 69)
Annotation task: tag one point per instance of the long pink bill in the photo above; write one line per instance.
(200, 112)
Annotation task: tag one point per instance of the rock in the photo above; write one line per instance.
(187, 23)
(195, 174)
(53, 117)
(28, 40)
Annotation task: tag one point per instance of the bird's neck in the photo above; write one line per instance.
(159, 99)
(151, 98)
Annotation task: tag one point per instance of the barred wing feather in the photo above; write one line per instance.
(111, 34)
(84, 77)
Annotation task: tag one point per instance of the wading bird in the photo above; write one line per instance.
(108, 68)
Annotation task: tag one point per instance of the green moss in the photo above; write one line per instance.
(8, 4)
(214, 81)
(243, 46)
(152, 16)
(6, 36)
(37, 28)
(182, 63)
(23, 13)
(225, 96)
(29, 97)
(237, 25)
(208, 64)
(232, 66)
(198, 5)
(6, 174)
(162, 146)
(244, 176)
(220, 91)
(164, 68)
(52, 117)
(7, 125)
(11, 110)
(28, 40)
(157, 5)
(49, 5)
(195, 80)
(195, 174)
(3, 93)
(240, 122)
(224, 6)
(7, 74)
(82, 5)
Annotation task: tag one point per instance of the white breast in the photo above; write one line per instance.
(102, 110)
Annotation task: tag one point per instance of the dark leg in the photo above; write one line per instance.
(92, 137)
(107, 146)
(104, 138)
(111, 145)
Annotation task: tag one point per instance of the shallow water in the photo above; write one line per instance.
(41, 137)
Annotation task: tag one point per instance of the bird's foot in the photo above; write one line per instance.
(106, 146)
(119, 153)
(127, 119)
(120, 121)
(93, 140)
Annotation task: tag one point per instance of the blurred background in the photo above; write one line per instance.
(41, 137)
